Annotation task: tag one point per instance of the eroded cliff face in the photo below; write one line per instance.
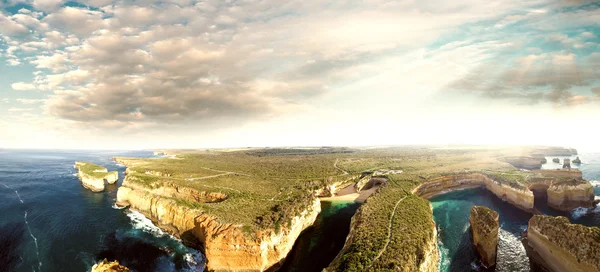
(484, 230)
(106, 266)
(226, 246)
(521, 198)
(431, 259)
(566, 197)
(560, 246)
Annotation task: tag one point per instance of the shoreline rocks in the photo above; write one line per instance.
(484, 230)
(558, 245)
(577, 161)
(106, 266)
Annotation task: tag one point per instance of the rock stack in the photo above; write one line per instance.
(567, 164)
(577, 161)
(484, 228)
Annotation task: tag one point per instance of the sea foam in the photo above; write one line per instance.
(139, 221)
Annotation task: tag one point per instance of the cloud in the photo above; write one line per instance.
(19, 109)
(29, 101)
(533, 78)
(9, 27)
(123, 63)
(23, 86)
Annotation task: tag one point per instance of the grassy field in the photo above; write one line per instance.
(92, 170)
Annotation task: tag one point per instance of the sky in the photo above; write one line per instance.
(101, 74)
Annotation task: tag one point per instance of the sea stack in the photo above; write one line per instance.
(557, 160)
(93, 176)
(567, 164)
(577, 161)
(484, 229)
(558, 245)
(106, 266)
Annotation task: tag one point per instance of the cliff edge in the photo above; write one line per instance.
(484, 229)
(561, 246)
(227, 247)
(93, 176)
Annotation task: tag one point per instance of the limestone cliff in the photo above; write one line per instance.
(93, 176)
(106, 266)
(226, 246)
(484, 230)
(570, 194)
(563, 193)
(521, 198)
(561, 246)
(431, 256)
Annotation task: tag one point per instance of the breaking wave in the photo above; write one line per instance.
(141, 222)
(580, 211)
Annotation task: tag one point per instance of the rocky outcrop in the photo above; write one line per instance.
(484, 230)
(560, 246)
(93, 176)
(566, 195)
(106, 266)
(577, 161)
(556, 160)
(566, 164)
(226, 246)
(521, 198)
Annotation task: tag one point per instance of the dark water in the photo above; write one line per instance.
(49, 222)
(451, 214)
(317, 246)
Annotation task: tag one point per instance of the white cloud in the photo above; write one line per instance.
(19, 109)
(23, 86)
(29, 101)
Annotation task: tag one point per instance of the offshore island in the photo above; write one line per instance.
(245, 208)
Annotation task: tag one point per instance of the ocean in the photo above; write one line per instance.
(451, 214)
(49, 222)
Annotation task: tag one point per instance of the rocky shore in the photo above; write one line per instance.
(106, 266)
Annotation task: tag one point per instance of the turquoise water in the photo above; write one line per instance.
(49, 222)
(318, 245)
(451, 214)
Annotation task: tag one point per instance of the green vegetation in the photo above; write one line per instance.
(581, 241)
(374, 247)
(92, 170)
